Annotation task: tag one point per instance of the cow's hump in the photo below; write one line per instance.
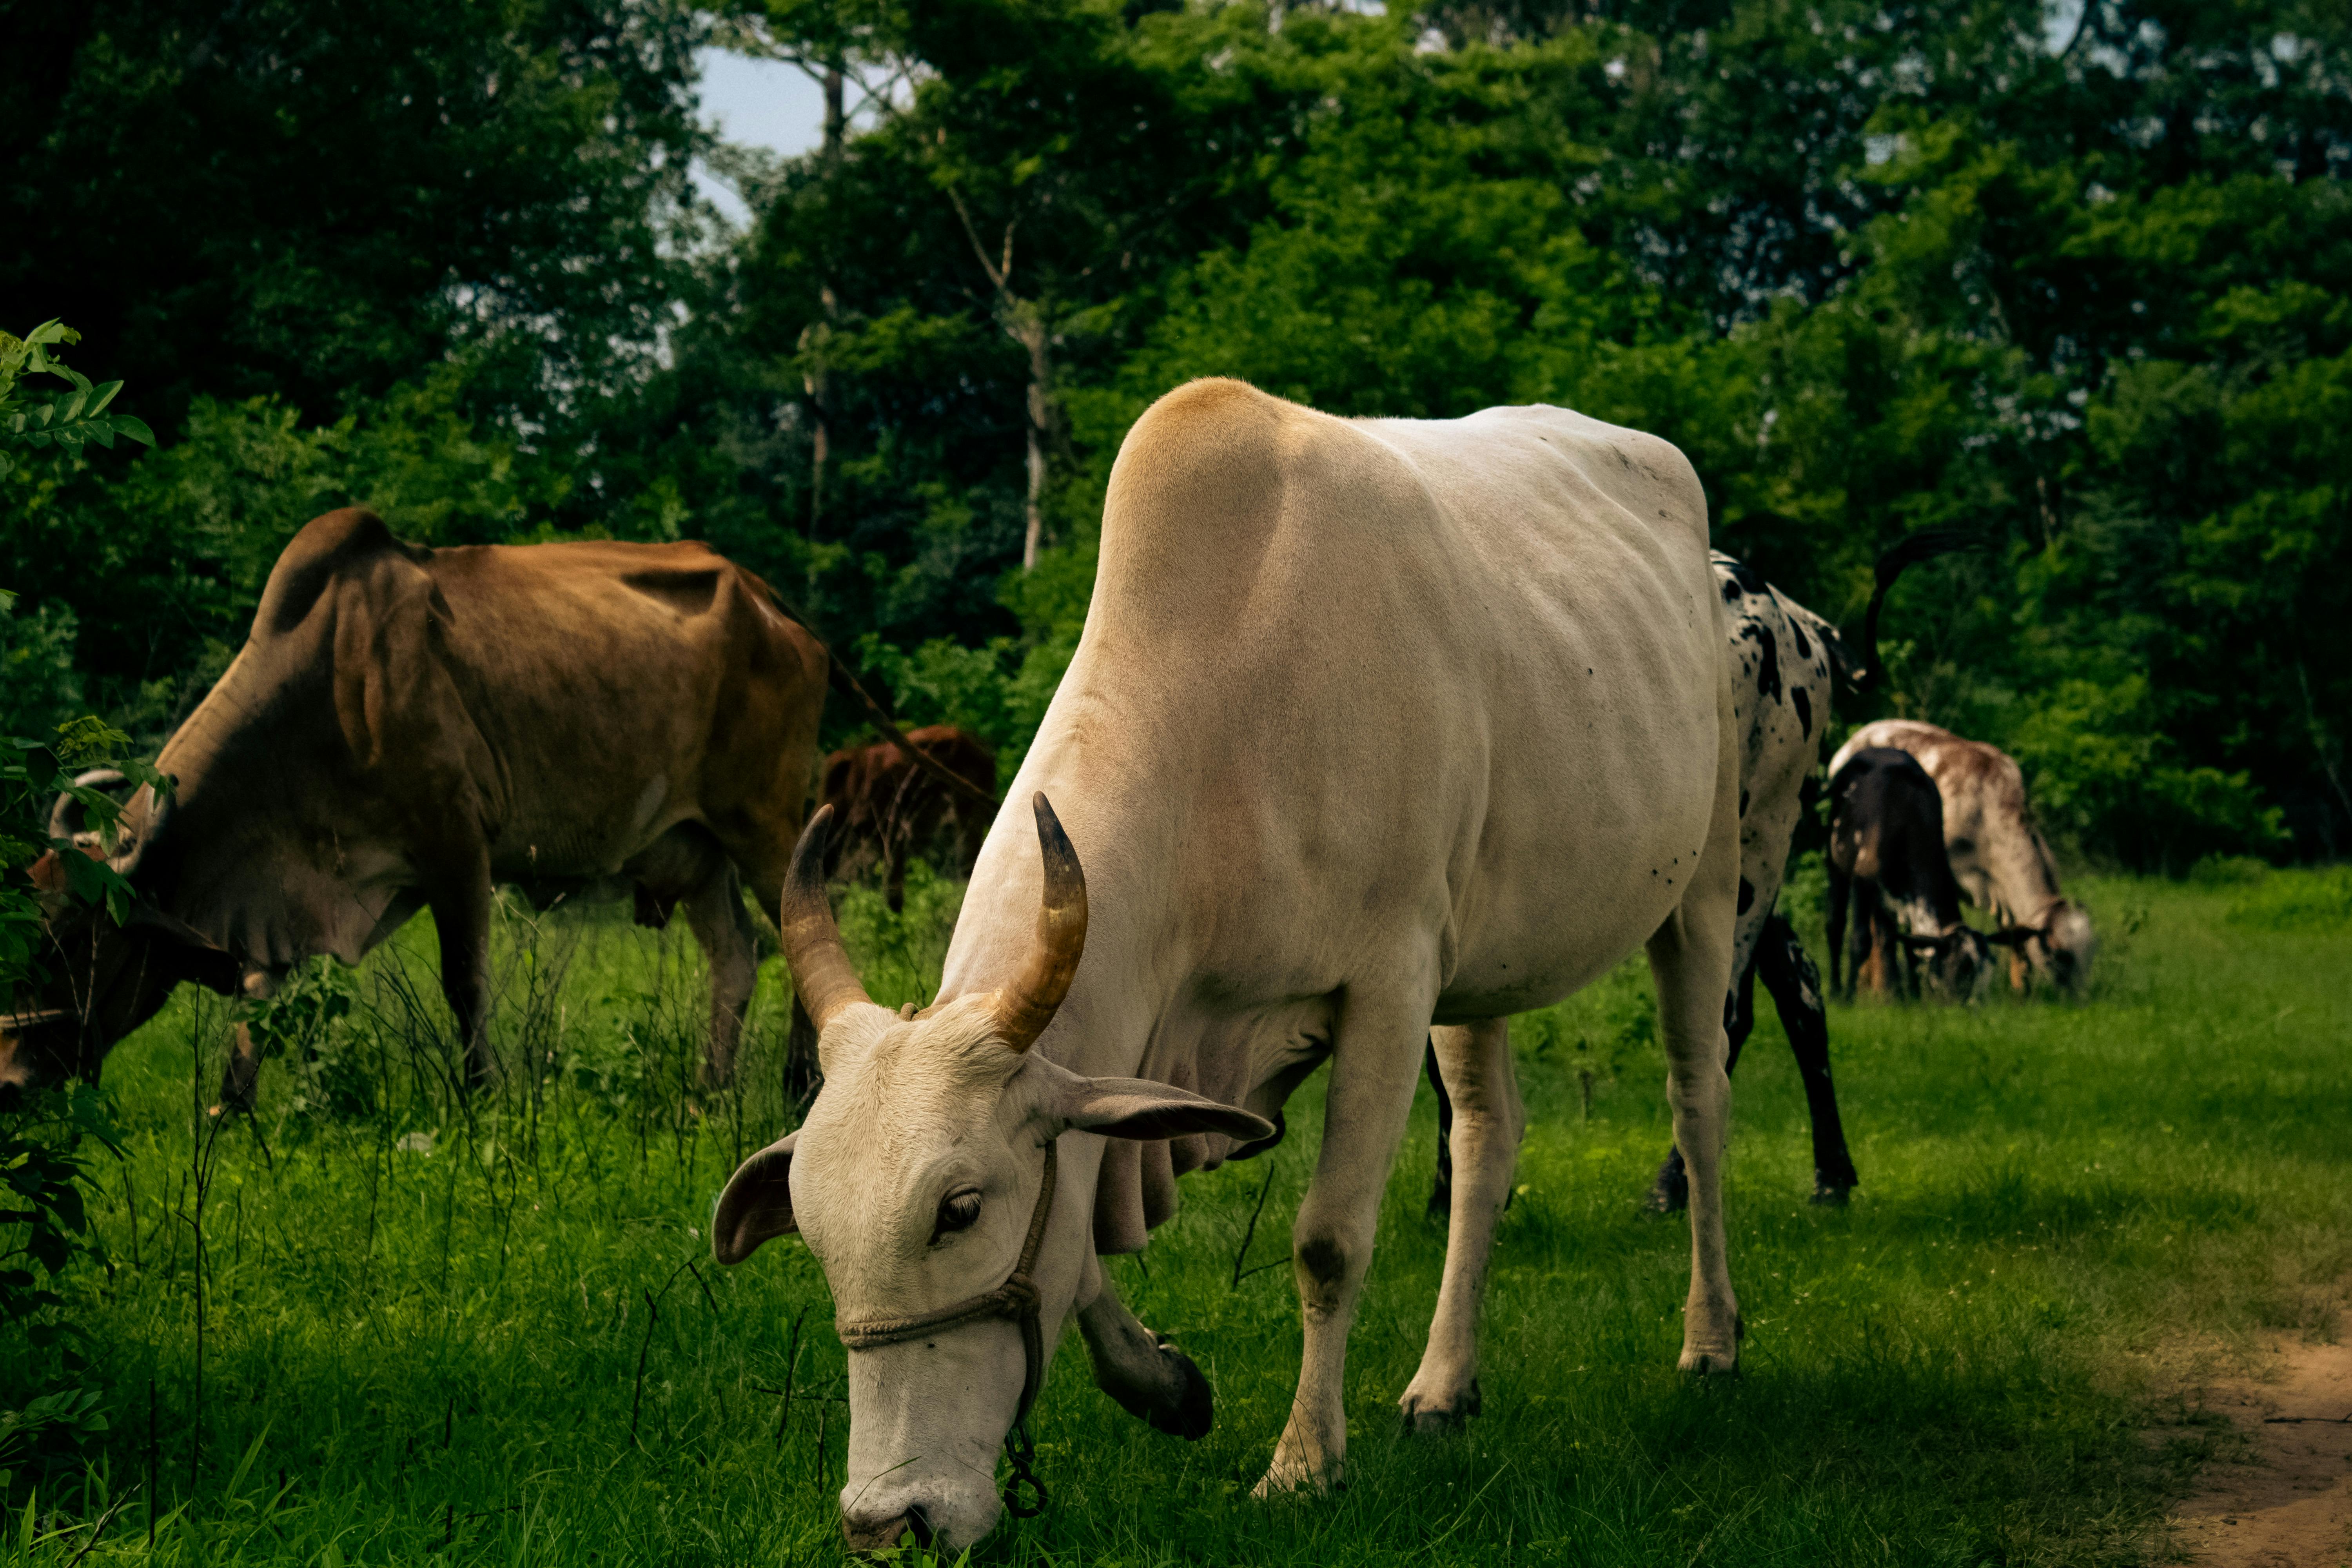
(326, 546)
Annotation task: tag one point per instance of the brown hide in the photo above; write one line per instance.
(408, 727)
(884, 808)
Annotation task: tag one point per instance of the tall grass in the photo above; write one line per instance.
(384, 1322)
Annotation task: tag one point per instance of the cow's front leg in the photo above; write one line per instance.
(714, 911)
(1375, 1057)
(1147, 1375)
(461, 915)
(1490, 1122)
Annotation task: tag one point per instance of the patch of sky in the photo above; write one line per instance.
(761, 103)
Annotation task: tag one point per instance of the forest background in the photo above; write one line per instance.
(2076, 283)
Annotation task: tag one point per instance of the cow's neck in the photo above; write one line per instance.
(1137, 953)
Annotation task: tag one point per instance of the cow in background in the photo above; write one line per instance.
(887, 809)
(406, 729)
(2001, 861)
(1786, 663)
(1886, 861)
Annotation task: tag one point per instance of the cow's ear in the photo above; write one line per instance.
(757, 1206)
(1138, 1108)
(2013, 936)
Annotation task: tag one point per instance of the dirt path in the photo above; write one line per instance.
(2291, 1506)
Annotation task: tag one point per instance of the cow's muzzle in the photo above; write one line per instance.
(867, 1536)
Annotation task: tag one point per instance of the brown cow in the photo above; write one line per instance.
(884, 808)
(407, 727)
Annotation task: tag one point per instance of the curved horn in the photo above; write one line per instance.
(142, 836)
(65, 816)
(1026, 1007)
(821, 975)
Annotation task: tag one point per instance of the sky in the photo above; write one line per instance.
(767, 103)
(756, 103)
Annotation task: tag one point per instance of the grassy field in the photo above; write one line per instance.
(376, 1326)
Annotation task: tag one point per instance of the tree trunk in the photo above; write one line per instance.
(1026, 324)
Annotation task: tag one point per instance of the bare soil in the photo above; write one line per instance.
(2279, 1492)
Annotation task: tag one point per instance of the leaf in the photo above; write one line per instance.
(133, 426)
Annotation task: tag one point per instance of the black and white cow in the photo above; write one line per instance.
(1887, 865)
(1786, 662)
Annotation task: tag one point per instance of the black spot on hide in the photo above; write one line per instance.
(1768, 658)
(1738, 572)
(1804, 706)
(1797, 636)
(1743, 803)
(1746, 895)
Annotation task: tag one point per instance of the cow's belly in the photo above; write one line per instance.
(1577, 873)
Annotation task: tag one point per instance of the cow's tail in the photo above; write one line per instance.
(1924, 545)
(837, 676)
(847, 684)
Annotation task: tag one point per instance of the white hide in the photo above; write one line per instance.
(1373, 723)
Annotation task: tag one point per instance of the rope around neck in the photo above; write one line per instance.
(1016, 1300)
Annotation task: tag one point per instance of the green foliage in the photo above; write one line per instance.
(1874, 272)
(68, 421)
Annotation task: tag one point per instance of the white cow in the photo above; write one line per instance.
(2001, 861)
(1373, 723)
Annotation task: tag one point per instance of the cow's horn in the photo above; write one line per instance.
(67, 817)
(1026, 1007)
(142, 837)
(821, 973)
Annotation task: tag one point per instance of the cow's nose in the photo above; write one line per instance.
(870, 1535)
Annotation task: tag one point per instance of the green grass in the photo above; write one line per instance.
(448, 1355)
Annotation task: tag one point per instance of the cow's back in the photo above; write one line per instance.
(396, 708)
(623, 687)
(1346, 685)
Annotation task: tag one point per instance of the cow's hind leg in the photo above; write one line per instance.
(1441, 1189)
(1690, 960)
(714, 911)
(1796, 988)
(1670, 1194)
(1146, 1374)
(461, 917)
(1476, 1060)
(1373, 1067)
(1841, 896)
(241, 1076)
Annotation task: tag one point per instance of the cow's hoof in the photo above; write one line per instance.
(1715, 1361)
(1195, 1409)
(1429, 1417)
(1282, 1480)
(1670, 1194)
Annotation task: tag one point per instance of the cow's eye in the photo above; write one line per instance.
(958, 1211)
